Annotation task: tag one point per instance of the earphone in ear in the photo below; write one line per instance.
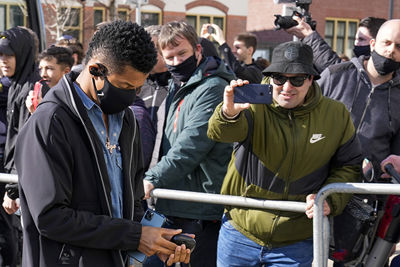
(95, 72)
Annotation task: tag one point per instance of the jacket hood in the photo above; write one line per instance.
(23, 45)
(61, 93)
(358, 63)
(211, 66)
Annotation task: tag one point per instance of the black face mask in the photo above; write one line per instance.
(362, 50)
(113, 99)
(183, 71)
(384, 65)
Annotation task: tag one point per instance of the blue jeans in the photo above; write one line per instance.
(235, 249)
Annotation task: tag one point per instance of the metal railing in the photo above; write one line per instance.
(320, 225)
(320, 222)
(8, 178)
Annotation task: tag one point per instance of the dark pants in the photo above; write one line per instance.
(205, 252)
(8, 235)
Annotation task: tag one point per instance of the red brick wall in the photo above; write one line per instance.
(171, 16)
(234, 26)
(261, 12)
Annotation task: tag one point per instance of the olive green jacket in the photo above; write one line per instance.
(289, 154)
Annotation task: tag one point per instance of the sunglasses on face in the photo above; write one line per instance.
(296, 81)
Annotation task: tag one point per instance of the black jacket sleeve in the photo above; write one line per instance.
(324, 56)
(246, 72)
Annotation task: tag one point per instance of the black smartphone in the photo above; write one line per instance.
(150, 218)
(210, 29)
(253, 93)
(180, 239)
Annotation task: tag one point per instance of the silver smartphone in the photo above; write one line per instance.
(150, 218)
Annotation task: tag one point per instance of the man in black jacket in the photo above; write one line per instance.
(370, 89)
(80, 165)
(324, 56)
(240, 60)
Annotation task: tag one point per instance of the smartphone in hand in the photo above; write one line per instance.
(210, 29)
(150, 218)
(253, 93)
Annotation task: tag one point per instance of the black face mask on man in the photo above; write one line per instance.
(113, 99)
(360, 50)
(384, 65)
(184, 70)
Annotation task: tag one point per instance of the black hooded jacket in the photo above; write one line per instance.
(374, 109)
(65, 188)
(25, 76)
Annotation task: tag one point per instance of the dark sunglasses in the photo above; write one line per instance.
(296, 81)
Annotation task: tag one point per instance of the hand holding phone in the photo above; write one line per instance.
(253, 94)
(181, 239)
(150, 218)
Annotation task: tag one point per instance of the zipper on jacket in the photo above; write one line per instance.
(293, 131)
(130, 169)
(365, 109)
(95, 155)
(286, 189)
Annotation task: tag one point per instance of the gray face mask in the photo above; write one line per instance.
(384, 65)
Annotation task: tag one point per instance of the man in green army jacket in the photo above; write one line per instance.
(287, 150)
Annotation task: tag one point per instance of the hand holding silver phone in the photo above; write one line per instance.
(150, 218)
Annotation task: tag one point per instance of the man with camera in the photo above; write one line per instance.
(286, 150)
(240, 60)
(324, 56)
(80, 165)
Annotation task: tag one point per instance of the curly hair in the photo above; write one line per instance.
(120, 43)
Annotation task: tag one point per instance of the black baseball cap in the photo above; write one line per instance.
(5, 47)
(292, 58)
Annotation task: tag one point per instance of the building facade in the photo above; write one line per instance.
(337, 20)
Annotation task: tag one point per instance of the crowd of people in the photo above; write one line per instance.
(90, 136)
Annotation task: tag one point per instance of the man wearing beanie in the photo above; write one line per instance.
(286, 150)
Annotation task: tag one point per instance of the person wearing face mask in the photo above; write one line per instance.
(80, 165)
(187, 158)
(324, 56)
(369, 87)
(370, 90)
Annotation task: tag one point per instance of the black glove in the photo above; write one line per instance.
(12, 191)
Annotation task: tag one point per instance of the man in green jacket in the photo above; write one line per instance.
(286, 150)
(189, 160)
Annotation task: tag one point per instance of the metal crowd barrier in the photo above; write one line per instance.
(320, 222)
(8, 178)
(321, 226)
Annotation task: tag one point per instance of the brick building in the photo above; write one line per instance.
(337, 21)
(230, 15)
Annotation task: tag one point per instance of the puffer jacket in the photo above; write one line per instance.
(374, 109)
(190, 160)
(291, 153)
